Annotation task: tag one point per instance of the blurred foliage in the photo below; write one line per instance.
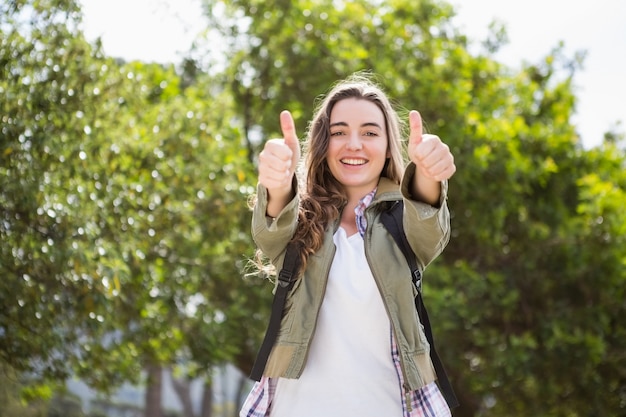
(11, 403)
(124, 212)
(124, 189)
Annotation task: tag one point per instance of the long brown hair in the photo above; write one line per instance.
(323, 197)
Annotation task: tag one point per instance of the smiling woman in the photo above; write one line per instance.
(358, 348)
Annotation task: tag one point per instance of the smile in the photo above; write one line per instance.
(350, 161)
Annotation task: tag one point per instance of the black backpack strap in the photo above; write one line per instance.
(392, 220)
(286, 278)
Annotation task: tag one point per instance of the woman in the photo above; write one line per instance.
(350, 342)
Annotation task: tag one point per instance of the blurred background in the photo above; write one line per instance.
(128, 141)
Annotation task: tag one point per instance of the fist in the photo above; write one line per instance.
(279, 158)
(431, 156)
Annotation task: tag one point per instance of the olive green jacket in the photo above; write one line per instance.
(427, 229)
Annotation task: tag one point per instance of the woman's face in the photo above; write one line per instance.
(358, 145)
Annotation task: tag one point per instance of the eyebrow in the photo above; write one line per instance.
(363, 125)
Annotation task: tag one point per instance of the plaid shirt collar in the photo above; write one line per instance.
(359, 210)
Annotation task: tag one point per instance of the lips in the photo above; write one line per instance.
(353, 161)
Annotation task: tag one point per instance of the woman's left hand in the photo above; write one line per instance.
(431, 156)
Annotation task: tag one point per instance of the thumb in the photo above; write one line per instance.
(288, 128)
(415, 125)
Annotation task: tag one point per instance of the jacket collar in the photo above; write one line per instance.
(387, 191)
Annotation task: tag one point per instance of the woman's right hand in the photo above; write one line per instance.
(277, 165)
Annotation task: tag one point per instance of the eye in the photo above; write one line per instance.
(371, 133)
(336, 133)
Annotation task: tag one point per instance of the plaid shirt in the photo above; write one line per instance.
(425, 402)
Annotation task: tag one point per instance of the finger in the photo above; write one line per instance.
(446, 174)
(441, 170)
(428, 146)
(274, 183)
(275, 156)
(273, 172)
(288, 128)
(276, 148)
(433, 150)
(415, 125)
(439, 164)
(274, 179)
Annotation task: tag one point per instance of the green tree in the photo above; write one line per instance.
(526, 293)
(12, 385)
(46, 77)
(123, 198)
(175, 189)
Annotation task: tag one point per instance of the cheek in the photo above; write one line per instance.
(333, 148)
(385, 150)
(329, 157)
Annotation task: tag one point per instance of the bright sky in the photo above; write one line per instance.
(158, 30)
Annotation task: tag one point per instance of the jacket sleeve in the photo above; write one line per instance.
(427, 228)
(271, 235)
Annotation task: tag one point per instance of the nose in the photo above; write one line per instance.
(354, 142)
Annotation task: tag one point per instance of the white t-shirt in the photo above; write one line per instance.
(349, 369)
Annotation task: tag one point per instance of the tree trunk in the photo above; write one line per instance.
(469, 405)
(207, 400)
(182, 387)
(154, 391)
(239, 394)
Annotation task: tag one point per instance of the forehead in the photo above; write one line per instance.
(356, 111)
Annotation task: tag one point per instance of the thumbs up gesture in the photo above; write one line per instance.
(277, 165)
(432, 157)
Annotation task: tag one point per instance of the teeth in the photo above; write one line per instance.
(353, 161)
